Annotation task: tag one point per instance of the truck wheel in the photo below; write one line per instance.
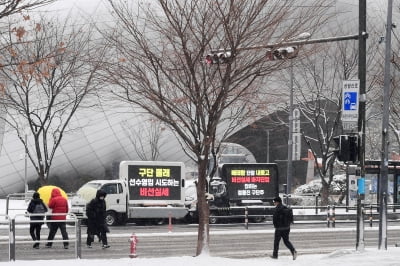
(111, 218)
(159, 221)
(213, 218)
(258, 219)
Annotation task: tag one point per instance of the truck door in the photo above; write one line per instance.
(115, 199)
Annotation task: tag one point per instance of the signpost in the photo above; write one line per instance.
(296, 135)
(350, 104)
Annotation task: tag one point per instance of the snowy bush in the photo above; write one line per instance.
(338, 185)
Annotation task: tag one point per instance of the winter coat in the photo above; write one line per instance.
(58, 204)
(279, 220)
(96, 213)
(32, 207)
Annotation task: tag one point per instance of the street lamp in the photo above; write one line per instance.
(289, 173)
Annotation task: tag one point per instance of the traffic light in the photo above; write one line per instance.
(282, 53)
(348, 148)
(218, 57)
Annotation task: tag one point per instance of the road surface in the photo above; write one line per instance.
(231, 240)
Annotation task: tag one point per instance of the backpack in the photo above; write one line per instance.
(39, 208)
(287, 217)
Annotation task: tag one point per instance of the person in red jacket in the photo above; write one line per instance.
(58, 204)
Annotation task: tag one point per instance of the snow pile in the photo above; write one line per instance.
(305, 194)
(337, 186)
(370, 257)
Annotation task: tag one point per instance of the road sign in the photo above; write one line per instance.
(350, 100)
(296, 136)
(352, 125)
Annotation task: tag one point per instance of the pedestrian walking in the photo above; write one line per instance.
(96, 223)
(59, 206)
(282, 218)
(36, 208)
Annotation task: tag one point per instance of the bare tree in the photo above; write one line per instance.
(159, 64)
(318, 85)
(320, 103)
(10, 7)
(394, 121)
(145, 139)
(47, 73)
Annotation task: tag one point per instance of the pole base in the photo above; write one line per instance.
(132, 256)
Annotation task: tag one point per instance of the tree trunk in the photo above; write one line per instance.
(41, 179)
(203, 211)
(324, 194)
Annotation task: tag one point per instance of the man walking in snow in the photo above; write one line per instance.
(282, 219)
(96, 213)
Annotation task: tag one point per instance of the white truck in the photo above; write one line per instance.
(146, 191)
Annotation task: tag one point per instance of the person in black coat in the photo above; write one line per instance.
(96, 223)
(281, 223)
(35, 208)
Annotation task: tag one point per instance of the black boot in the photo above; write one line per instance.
(294, 254)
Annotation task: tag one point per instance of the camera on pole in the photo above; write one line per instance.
(347, 148)
(282, 53)
(219, 57)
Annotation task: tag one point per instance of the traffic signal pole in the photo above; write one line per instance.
(362, 50)
(295, 43)
(361, 37)
(289, 172)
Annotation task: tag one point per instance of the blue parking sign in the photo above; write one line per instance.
(350, 101)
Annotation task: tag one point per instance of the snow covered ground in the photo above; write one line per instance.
(369, 257)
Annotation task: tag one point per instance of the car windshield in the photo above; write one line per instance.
(91, 185)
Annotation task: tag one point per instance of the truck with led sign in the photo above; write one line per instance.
(240, 185)
(146, 191)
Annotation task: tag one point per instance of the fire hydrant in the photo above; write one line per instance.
(133, 241)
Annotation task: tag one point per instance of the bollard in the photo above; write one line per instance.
(78, 243)
(333, 217)
(133, 241)
(170, 222)
(328, 218)
(246, 218)
(12, 241)
(370, 215)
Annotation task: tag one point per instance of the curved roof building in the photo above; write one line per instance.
(98, 140)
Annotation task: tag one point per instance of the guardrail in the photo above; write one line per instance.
(72, 219)
(22, 196)
(5, 220)
(244, 213)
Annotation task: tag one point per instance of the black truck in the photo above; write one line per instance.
(241, 189)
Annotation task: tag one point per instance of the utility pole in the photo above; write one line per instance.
(289, 172)
(362, 64)
(383, 179)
